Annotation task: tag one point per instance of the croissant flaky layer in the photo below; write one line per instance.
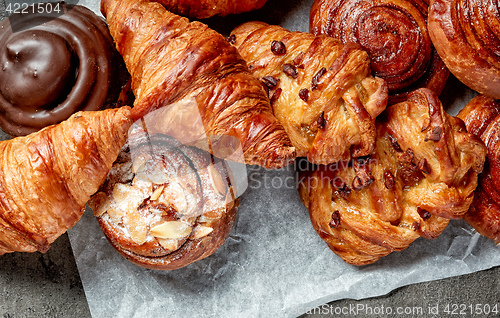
(422, 173)
(172, 60)
(207, 8)
(395, 35)
(482, 117)
(321, 90)
(47, 177)
(165, 205)
(466, 34)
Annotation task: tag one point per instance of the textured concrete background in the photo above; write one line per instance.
(48, 285)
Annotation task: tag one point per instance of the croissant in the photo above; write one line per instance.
(466, 36)
(481, 116)
(171, 60)
(202, 9)
(422, 173)
(46, 178)
(395, 35)
(321, 90)
(165, 205)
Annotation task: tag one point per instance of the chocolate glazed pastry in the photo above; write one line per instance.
(321, 90)
(394, 33)
(466, 35)
(423, 172)
(54, 65)
(172, 61)
(207, 8)
(482, 118)
(165, 205)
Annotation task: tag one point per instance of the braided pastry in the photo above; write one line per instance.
(55, 65)
(321, 90)
(165, 205)
(171, 60)
(47, 177)
(422, 173)
(394, 33)
(466, 35)
(481, 116)
(202, 9)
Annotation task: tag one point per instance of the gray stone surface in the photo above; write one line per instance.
(48, 285)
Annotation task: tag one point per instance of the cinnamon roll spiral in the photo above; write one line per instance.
(394, 33)
(466, 35)
(55, 64)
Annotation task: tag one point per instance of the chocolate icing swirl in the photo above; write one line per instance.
(53, 65)
(395, 36)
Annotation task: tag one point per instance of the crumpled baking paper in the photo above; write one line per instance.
(273, 264)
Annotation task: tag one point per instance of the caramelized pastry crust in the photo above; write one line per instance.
(321, 90)
(165, 205)
(207, 8)
(422, 173)
(394, 33)
(46, 178)
(481, 116)
(171, 60)
(466, 34)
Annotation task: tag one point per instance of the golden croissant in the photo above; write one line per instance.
(47, 177)
(207, 8)
(321, 90)
(423, 172)
(172, 61)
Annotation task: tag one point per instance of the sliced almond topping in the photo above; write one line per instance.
(211, 215)
(171, 230)
(156, 194)
(217, 180)
(168, 244)
(138, 164)
(200, 231)
(115, 215)
(99, 203)
(136, 226)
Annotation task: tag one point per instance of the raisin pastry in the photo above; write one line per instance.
(47, 177)
(172, 60)
(466, 35)
(321, 90)
(202, 9)
(165, 205)
(395, 35)
(423, 173)
(481, 116)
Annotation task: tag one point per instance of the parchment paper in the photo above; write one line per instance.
(273, 264)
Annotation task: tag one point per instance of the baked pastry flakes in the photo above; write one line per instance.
(47, 177)
(165, 205)
(207, 8)
(422, 173)
(481, 116)
(395, 35)
(320, 90)
(172, 60)
(466, 35)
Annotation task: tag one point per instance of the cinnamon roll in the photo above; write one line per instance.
(466, 35)
(165, 205)
(482, 117)
(394, 33)
(54, 64)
